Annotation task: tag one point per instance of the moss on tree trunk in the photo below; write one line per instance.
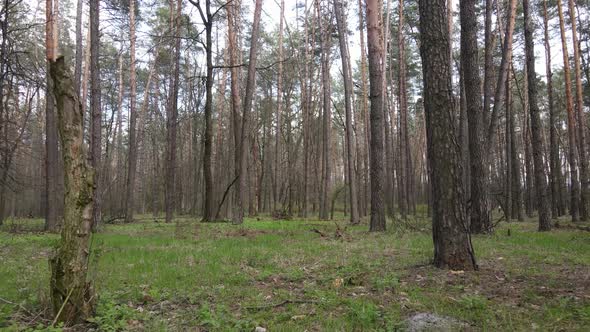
(71, 294)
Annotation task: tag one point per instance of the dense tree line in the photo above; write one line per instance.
(220, 110)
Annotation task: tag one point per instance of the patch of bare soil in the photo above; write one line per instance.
(511, 288)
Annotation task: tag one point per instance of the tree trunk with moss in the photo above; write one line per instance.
(71, 294)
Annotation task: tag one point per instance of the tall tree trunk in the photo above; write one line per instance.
(208, 209)
(326, 120)
(571, 122)
(236, 106)
(364, 114)
(403, 109)
(172, 119)
(96, 128)
(528, 157)
(71, 294)
(479, 216)
(555, 163)
(277, 161)
(374, 31)
(241, 150)
(119, 162)
(502, 74)
(452, 242)
(348, 94)
(51, 148)
(132, 166)
(3, 66)
(306, 118)
(85, 79)
(508, 148)
(516, 205)
(489, 40)
(388, 131)
(536, 125)
(581, 118)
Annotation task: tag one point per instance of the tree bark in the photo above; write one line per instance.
(452, 242)
(364, 115)
(581, 118)
(508, 149)
(241, 150)
(79, 46)
(479, 216)
(516, 205)
(374, 31)
(502, 74)
(132, 166)
(536, 125)
(172, 118)
(51, 147)
(403, 109)
(326, 119)
(348, 94)
(489, 40)
(555, 163)
(208, 209)
(571, 123)
(96, 124)
(277, 161)
(236, 106)
(71, 294)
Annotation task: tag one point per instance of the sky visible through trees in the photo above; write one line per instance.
(453, 118)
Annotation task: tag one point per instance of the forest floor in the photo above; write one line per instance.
(303, 275)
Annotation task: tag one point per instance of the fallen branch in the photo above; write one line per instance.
(322, 234)
(17, 305)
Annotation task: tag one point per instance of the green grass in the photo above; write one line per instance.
(285, 277)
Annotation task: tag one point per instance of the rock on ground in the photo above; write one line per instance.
(425, 321)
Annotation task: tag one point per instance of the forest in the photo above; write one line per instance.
(294, 165)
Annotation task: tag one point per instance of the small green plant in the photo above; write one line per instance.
(112, 316)
(388, 282)
(473, 302)
(362, 313)
(207, 317)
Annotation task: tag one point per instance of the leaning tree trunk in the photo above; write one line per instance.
(241, 151)
(536, 126)
(348, 94)
(71, 294)
(452, 242)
